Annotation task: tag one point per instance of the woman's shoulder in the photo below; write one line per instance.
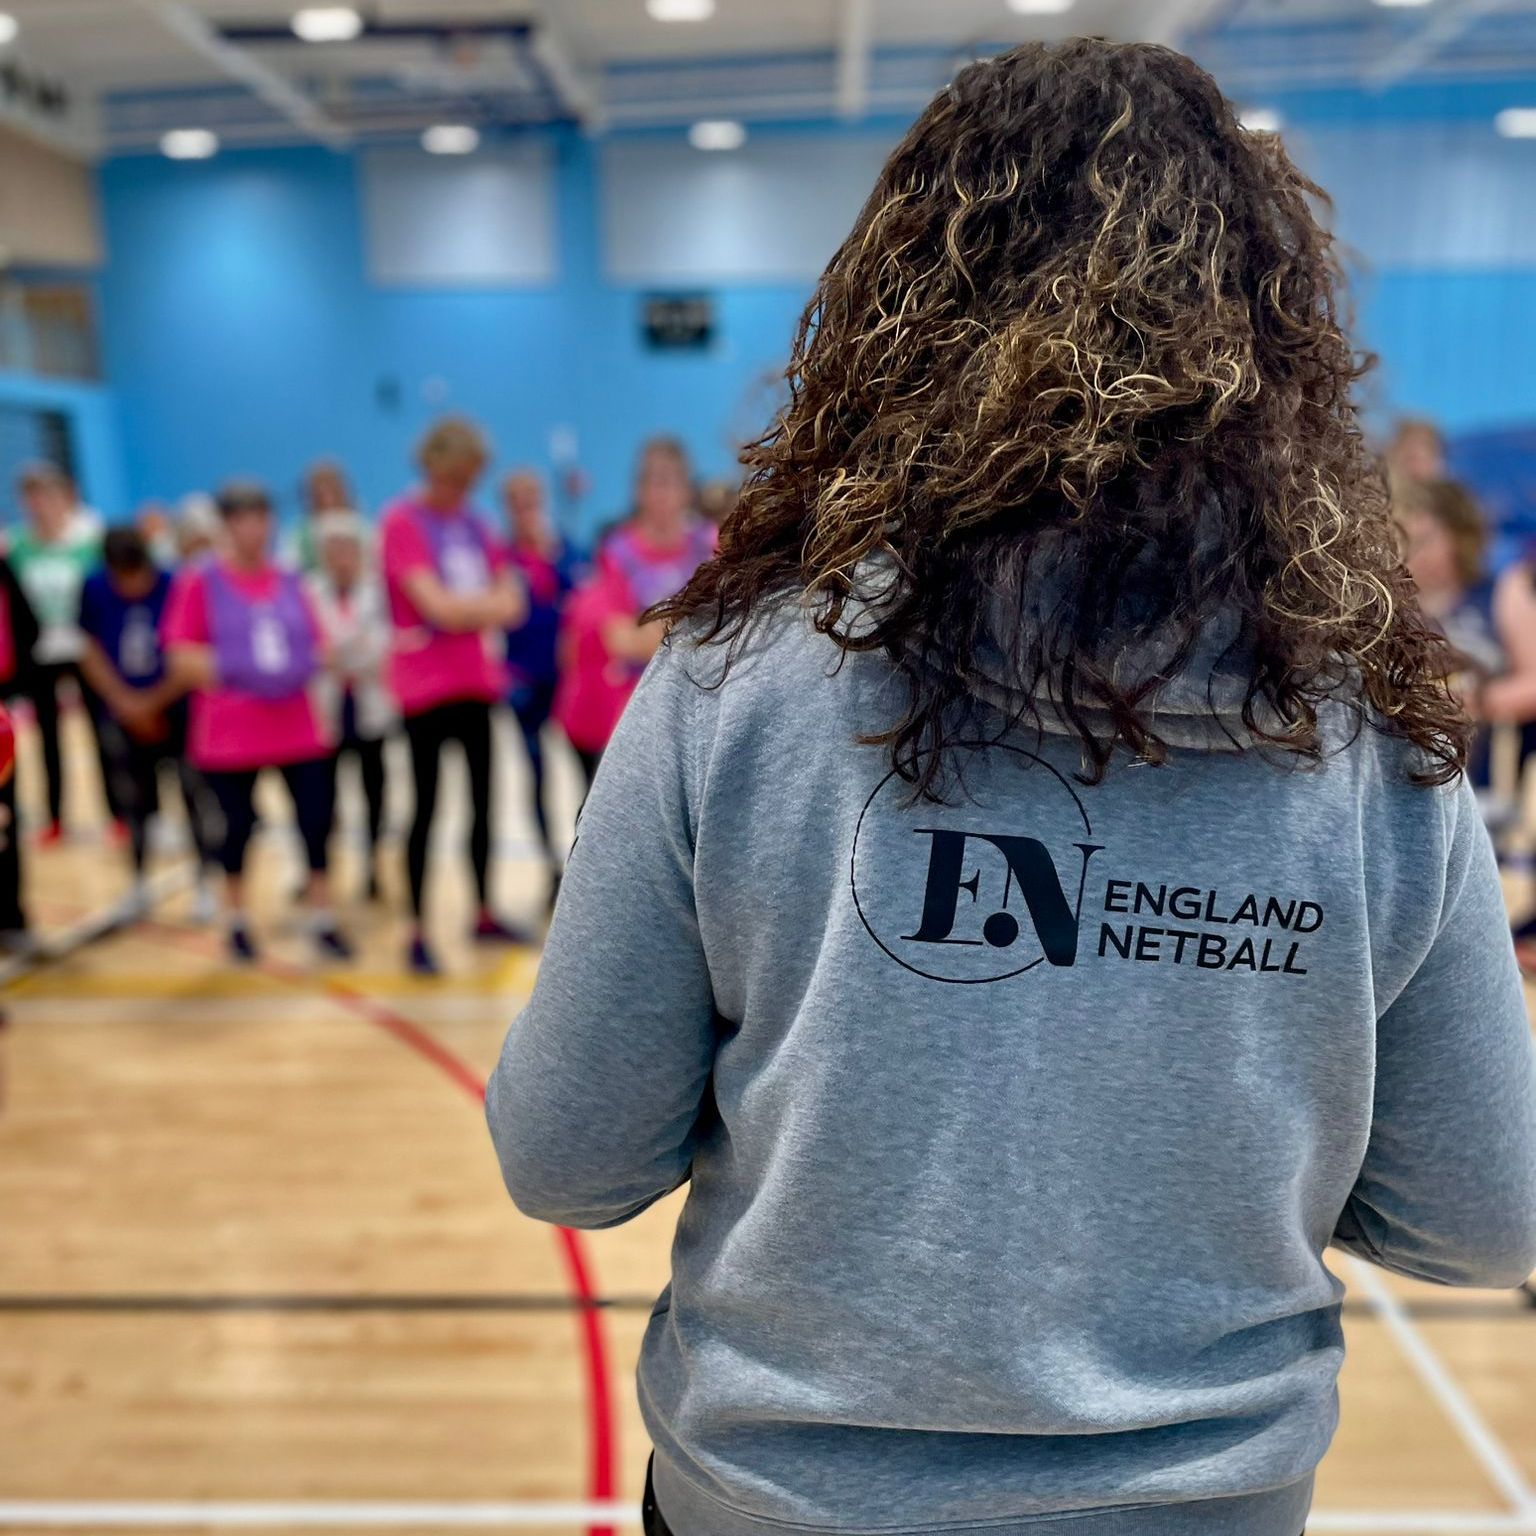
(776, 652)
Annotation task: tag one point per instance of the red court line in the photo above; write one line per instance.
(602, 1429)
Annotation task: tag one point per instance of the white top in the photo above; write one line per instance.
(357, 634)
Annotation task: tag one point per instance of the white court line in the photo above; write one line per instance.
(1479, 1438)
(96, 925)
(65, 1515)
(264, 1516)
(1367, 1524)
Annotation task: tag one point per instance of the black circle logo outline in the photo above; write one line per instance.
(853, 861)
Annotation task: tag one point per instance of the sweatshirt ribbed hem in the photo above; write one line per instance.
(689, 1511)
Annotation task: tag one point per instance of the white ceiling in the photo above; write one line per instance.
(116, 43)
(607, 62)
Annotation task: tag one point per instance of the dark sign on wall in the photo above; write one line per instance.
(678, 322)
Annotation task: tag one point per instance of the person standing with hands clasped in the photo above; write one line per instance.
(242, 638)
(1033, 900)
(452, 594)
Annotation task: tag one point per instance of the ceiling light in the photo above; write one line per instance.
(1403, 5)
(1517, 122)
(190, 144)
(1040, 7)
(717, 133)
(327, 24)
(1261, 120)
(9, 27)
(451, 139)
(680, 10)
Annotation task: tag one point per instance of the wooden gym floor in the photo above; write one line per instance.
(257, 1268)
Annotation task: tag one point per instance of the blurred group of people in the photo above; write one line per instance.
(204, 647)
(1489, 616)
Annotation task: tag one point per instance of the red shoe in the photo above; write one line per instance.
(51, 835)
(490, 929)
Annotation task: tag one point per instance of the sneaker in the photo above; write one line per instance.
(490, 929)
(135, 906)
(51, 835)
(421, 960)
(242, 948)
(333, 944)
(205, 905)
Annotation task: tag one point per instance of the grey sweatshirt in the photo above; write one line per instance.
(1016, 1127)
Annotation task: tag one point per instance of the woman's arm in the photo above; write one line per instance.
(191, 667)
(1511, 698)
(1447, 1191)
(596, 1102)
(139, 709)
(626, 640)
(501, 606)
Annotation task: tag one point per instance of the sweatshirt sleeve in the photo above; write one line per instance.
(594, 1103)
(1447, 1191)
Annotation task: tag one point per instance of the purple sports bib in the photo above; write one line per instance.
(651, 580)
(461, 549)
(264, 648)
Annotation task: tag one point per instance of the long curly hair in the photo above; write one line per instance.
(1085, 331)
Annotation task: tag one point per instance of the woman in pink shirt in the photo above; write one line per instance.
(649, 557)
(241, 637)
(452, 594)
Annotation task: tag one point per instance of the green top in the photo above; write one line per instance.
(52, 573)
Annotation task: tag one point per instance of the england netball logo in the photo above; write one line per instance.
(982, 890)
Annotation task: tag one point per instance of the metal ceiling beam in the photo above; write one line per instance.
(855, 39)
(551, 47)
(1428, 43)
(276, 90)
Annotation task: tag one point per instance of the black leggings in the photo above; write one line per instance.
(468, 722)
(13, 918)
(649, 1513)
(370, 768)
(533, 703)
(589, 761)
(133, 789)
(310, 787)
(45, 705)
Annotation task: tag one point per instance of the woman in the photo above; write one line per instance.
(1416, 454)
(549, 569)
(51, 557)
(18, 641)
(141, 718)
(607, 641)
(1032, 897)
(451, 595)
(241, 637)
(1491, 624)
(354, 696)
(325, 489)
(1445, 547)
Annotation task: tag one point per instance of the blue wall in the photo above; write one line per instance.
(243, 334)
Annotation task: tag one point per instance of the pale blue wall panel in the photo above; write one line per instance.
(774, 211)
(485, 220)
